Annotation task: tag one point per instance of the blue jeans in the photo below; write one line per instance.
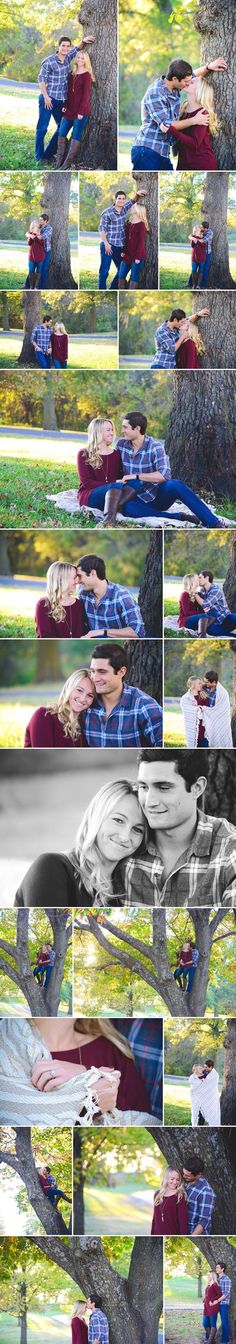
(45, 268)
(143, 157)
(134, 269)
(224, 1313)
(35, 266)
(45, 972)
(45, 114)
(97, 497)
(198, 266)
(57, 364)
(78, 127)
(53, 1192)
(184, 971)
(166, 495)
(206, 269)
(209, 1321)
(105, 263)
(219, 628)
(44, 361)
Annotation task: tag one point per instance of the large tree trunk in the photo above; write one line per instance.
(215, 20)
(216, 1149)
(22, 1162)
(49, 408)
(78, 1183)
(160, 977)
(202, 431)
(32, 314)
(148, 182)
(220, 795)
(218, 331)
(229, 584)
(215, 210)
(42, 1002)
(217, 1250)
(5, 311)
(145, 666)
(150, 595)
(56, 200)
(23, 1313)
(228, 1095)
(99, 144)
(128, 1303)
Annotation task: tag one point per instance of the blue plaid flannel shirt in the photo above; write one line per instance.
(201, 1201)
(54, 73)
(158, 105)
(150, 457)
(114, 223)
(165, 347)
(215, 600)
(195, 956)
(204, 875)
(43, 337)
(146, 1040)
(117, 608)
(46, 233)
(225, 1285)
(135, 722)
(98, 1327)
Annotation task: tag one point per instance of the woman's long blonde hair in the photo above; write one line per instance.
(100, 1026)
(205, 99)
(57, 586)
(86, 847)
(160, 1194)
(142, 215)
(59, 326)
(195, 335)
(188, 585)
(95, 439)
(191, 684)
(87, 64)
(67, 715)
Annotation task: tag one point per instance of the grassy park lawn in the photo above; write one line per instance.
(14, 264)
(175, 265)
(115, 1212)
(17, 606)
(89, 259)
(180, 1328)
(13, 721)
(24, 485)
(173, 727)
(125, 146)
(83, 353)
(176, 1103)
(40, 1326)
(18, 116)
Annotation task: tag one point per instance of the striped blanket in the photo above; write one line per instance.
(216, 719)
(204, 1097)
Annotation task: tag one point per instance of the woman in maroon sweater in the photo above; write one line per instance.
(213, 1294)
(36, 254)
(60, 615)
(190, 602)
(60, 726)
(134, 252)
(193, 143)
(76, 111)
(79, 1329)
(93, 1042)
(99, 464)
(59, 346)
(189, 353)
(170, 1214)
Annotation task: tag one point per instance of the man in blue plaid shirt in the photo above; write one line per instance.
(224, 1304)
(46, 234)
(122, 715)
(160, 106)
(171, 335)
(53, 83)
(41, 341)
(98, 1331)
(108, 606)
(200, 1197)
(215, 614)
(112, 235)
(147, 475)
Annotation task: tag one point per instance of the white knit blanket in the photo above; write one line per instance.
(216, 719)
(204, 1097)
(68, 501)
(22, 1104)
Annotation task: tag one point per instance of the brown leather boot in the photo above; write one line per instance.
(121, 284)
(203, 625)
(133, 284)
(73, 154)
(114, 500)
(61, 149)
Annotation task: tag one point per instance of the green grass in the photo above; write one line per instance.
(82, 355)
(177, 1115)
(175, 267)
(18, 116)
(13, 627)
(181, 1287)
(23, 489)
(10, 279)
(171, 607)
(13, 719)
(183, 1327)
(113, 1212)
(125, 146)
(39, 1327)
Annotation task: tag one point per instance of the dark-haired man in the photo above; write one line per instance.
(41, 339)
(108, 607)
(147, 475)
(46, 234)
(98, 1332)
(171, 335)
(53, 83)
(201, 1198)
(112, 234)
(161, 103)
(224, 1304)
(190, 857)
(122, 715)
(216, 617)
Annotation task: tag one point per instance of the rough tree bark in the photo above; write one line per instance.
(218, 331)
(42, 1002)
(32, 314)
(56, 200)
(148, 182)
(228, 1094)
(150, 594)
(220, 795)
(215, 21)
(217, 1250)
(99, 144)
(133, 1305)
(49, 410)
(215, 210)
(216, 1149)
(23, 1163)
(229, 584)
(145, 667)
(78, 1183)
(23, 1313)
(201, 437)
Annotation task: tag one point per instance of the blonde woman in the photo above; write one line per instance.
(59, 346)
(134, 252)
(99, 463)
(78, 1071)
(194, 143)
(61, 614)
(59, 726)
(113, 828)
(79, 1328)
(189, 354)
(190, 602)
(37, 252)
(192, 704)
(170, 1206)
(76, 111)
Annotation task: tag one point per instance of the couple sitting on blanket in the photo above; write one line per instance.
(133, 477)
(203, 606)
